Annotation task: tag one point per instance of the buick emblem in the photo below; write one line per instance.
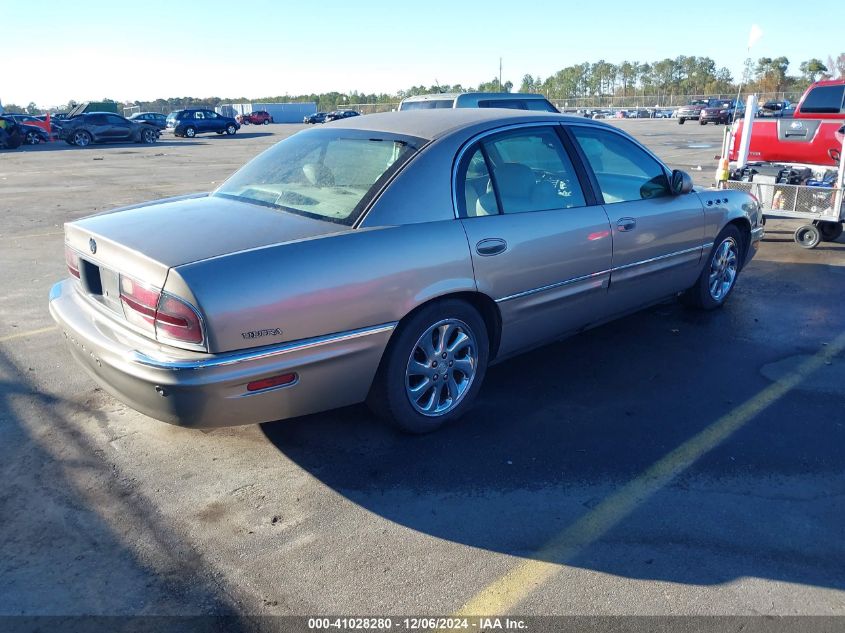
(92, 245)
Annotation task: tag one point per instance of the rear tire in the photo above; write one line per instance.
(433, 367)
(32, 138)
(718, 277)
(681, 121)
(702, 122)
(830, 231)
(266, 121)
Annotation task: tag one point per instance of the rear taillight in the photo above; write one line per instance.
(177, 320)
(159, 313)
(72, 261)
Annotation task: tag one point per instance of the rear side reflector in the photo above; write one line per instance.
(274, 381)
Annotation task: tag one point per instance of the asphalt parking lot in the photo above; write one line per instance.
(669, 463)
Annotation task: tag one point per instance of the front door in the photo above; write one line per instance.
(540, 246)
(658, 237)
(118, 128)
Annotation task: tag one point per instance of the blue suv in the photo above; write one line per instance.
(198, 121)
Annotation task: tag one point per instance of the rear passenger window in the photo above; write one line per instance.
(531, 171)
(477, 194)
(625, 172)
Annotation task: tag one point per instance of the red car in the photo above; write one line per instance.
(259, 117)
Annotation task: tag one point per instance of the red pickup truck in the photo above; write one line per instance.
(813, 136)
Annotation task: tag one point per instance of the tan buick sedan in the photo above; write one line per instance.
(388, 258)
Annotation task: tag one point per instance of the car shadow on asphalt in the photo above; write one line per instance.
(82, 545)
(557, 430)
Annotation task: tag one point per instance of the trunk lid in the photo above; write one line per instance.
(146, 241)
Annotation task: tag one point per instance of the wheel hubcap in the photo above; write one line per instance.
(441, 368)
(723, 268)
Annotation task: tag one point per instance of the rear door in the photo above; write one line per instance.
(540, 245)
(199, 121)
(658, 237)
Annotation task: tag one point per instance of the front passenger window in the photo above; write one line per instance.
(625, 172)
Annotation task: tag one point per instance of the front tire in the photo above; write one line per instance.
(190, 132)
(681, 121)
(718, 278)
(807, 236)
(433, 368)
(700, 122)
(32, 138)
(266, 121)
(149, 136)
(231, 129)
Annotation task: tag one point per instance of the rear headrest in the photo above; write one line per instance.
(515, 180)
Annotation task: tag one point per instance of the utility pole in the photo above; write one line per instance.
(500, 75)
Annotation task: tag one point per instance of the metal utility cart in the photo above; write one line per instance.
(820, 203)
(823, 208)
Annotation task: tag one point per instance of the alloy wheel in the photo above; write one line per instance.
(723, 269)
(441, 368)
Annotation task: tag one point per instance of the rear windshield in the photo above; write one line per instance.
(428, 104)
(324, 174)
(540, 105)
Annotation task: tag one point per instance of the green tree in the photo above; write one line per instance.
(812, 69)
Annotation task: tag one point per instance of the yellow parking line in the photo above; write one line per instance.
(500, 596)
(11, 337)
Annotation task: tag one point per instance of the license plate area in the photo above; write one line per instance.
(101, 284)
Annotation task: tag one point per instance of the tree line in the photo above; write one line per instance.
(683, 75)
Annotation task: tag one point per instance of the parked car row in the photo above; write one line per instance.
(325, 117)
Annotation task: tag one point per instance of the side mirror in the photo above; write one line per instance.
(681, 182)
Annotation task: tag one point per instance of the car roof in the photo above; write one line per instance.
(433, 124)
(436, 96)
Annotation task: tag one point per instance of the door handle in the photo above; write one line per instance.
(491, 246)
(626, 224)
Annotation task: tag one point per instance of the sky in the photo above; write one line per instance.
(149, 49)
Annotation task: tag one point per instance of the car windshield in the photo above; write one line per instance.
(324, 174)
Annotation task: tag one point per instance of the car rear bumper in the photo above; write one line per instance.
(200, 390)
